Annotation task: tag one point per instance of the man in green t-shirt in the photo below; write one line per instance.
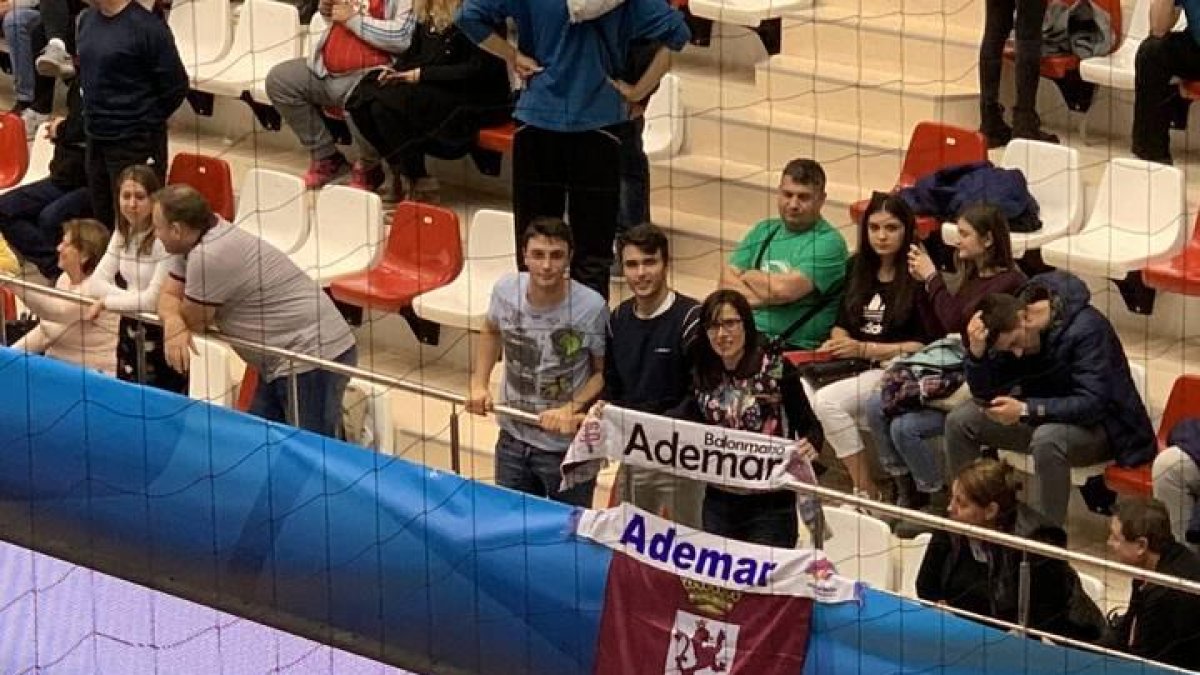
(786, 264)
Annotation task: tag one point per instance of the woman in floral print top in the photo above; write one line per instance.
(737, 384)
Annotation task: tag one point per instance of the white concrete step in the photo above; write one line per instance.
(962, 12)
(767, 136)
(713, 202)
(934, 47)
(883, 100)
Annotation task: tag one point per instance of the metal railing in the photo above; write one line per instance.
(456, 401)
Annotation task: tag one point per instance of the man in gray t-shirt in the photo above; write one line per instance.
(223, 275)
(551, 330)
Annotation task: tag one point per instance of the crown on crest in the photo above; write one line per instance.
(711, 600)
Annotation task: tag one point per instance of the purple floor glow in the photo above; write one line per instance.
(59, 618)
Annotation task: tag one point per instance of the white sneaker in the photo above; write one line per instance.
(33, 119)
(54, 61)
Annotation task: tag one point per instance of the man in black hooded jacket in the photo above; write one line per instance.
(1049, 378)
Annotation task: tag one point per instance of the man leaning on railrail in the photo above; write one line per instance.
(223, 275)
(1161, 623)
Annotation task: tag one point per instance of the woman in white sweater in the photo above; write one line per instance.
(66, 330)
(129, 277)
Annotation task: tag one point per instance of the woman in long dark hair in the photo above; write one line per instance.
(129, 277)
(1001, 15)
(737, 384)
(884, 314)
(436, 96)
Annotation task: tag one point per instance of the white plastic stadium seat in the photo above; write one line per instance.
(861, 547)
(202, 31)
(1023, 462)
(378, 432)
(316, 26)
(1052, 172)
(664, 130)
(209, 378)
(1095, 590)
(268, 33)
(345, 234)
(1117, 69)
(39, 159)
(912, 554)
(1139, 218)
(274, 206)
(491, 253)
(744, 12)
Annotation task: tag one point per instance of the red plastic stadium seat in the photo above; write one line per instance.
(423, 252)
(1180, 274)
(9, 302)
(497, 139)
(1184, 401)
(210, 175)
(14, 150)
(246, 390)
(1060, 66)
(933, 146)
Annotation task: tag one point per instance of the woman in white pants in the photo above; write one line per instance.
(884, 314)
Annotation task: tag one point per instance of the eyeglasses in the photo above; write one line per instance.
(730, 326)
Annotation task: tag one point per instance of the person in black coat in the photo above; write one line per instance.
(1161, 623)
(984, 578)
(1050, 378)
(434, 99)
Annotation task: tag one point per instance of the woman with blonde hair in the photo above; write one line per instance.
(128, 279)
(67, 331)
(434, 99)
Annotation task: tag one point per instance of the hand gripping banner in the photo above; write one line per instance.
(729, 458)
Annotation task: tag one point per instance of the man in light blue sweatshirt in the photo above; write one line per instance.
(566, 151)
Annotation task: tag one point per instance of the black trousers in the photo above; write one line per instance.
(576, 173)
(767, 518)
(1001, 16)
(107, 159)
(1159, 60)
(58, 20)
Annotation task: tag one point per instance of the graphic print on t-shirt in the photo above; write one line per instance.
(873, 313)
(540, 364)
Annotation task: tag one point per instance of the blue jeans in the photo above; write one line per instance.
(902, 443)
(635, 177)
(319, 394)
(17, 27)
(31, 219)
(525, 468)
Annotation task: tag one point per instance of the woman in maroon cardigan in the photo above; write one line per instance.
(901, 442)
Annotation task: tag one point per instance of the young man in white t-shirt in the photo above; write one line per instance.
(551, 330)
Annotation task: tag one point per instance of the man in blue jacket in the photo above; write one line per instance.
(567, 149)
(1049, 378)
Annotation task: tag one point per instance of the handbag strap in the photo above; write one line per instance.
(832, 294)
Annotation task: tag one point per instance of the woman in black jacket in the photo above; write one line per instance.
(434, 99)
(984, 578)
(737, 384)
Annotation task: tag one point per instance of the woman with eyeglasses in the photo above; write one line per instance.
(737, 384)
